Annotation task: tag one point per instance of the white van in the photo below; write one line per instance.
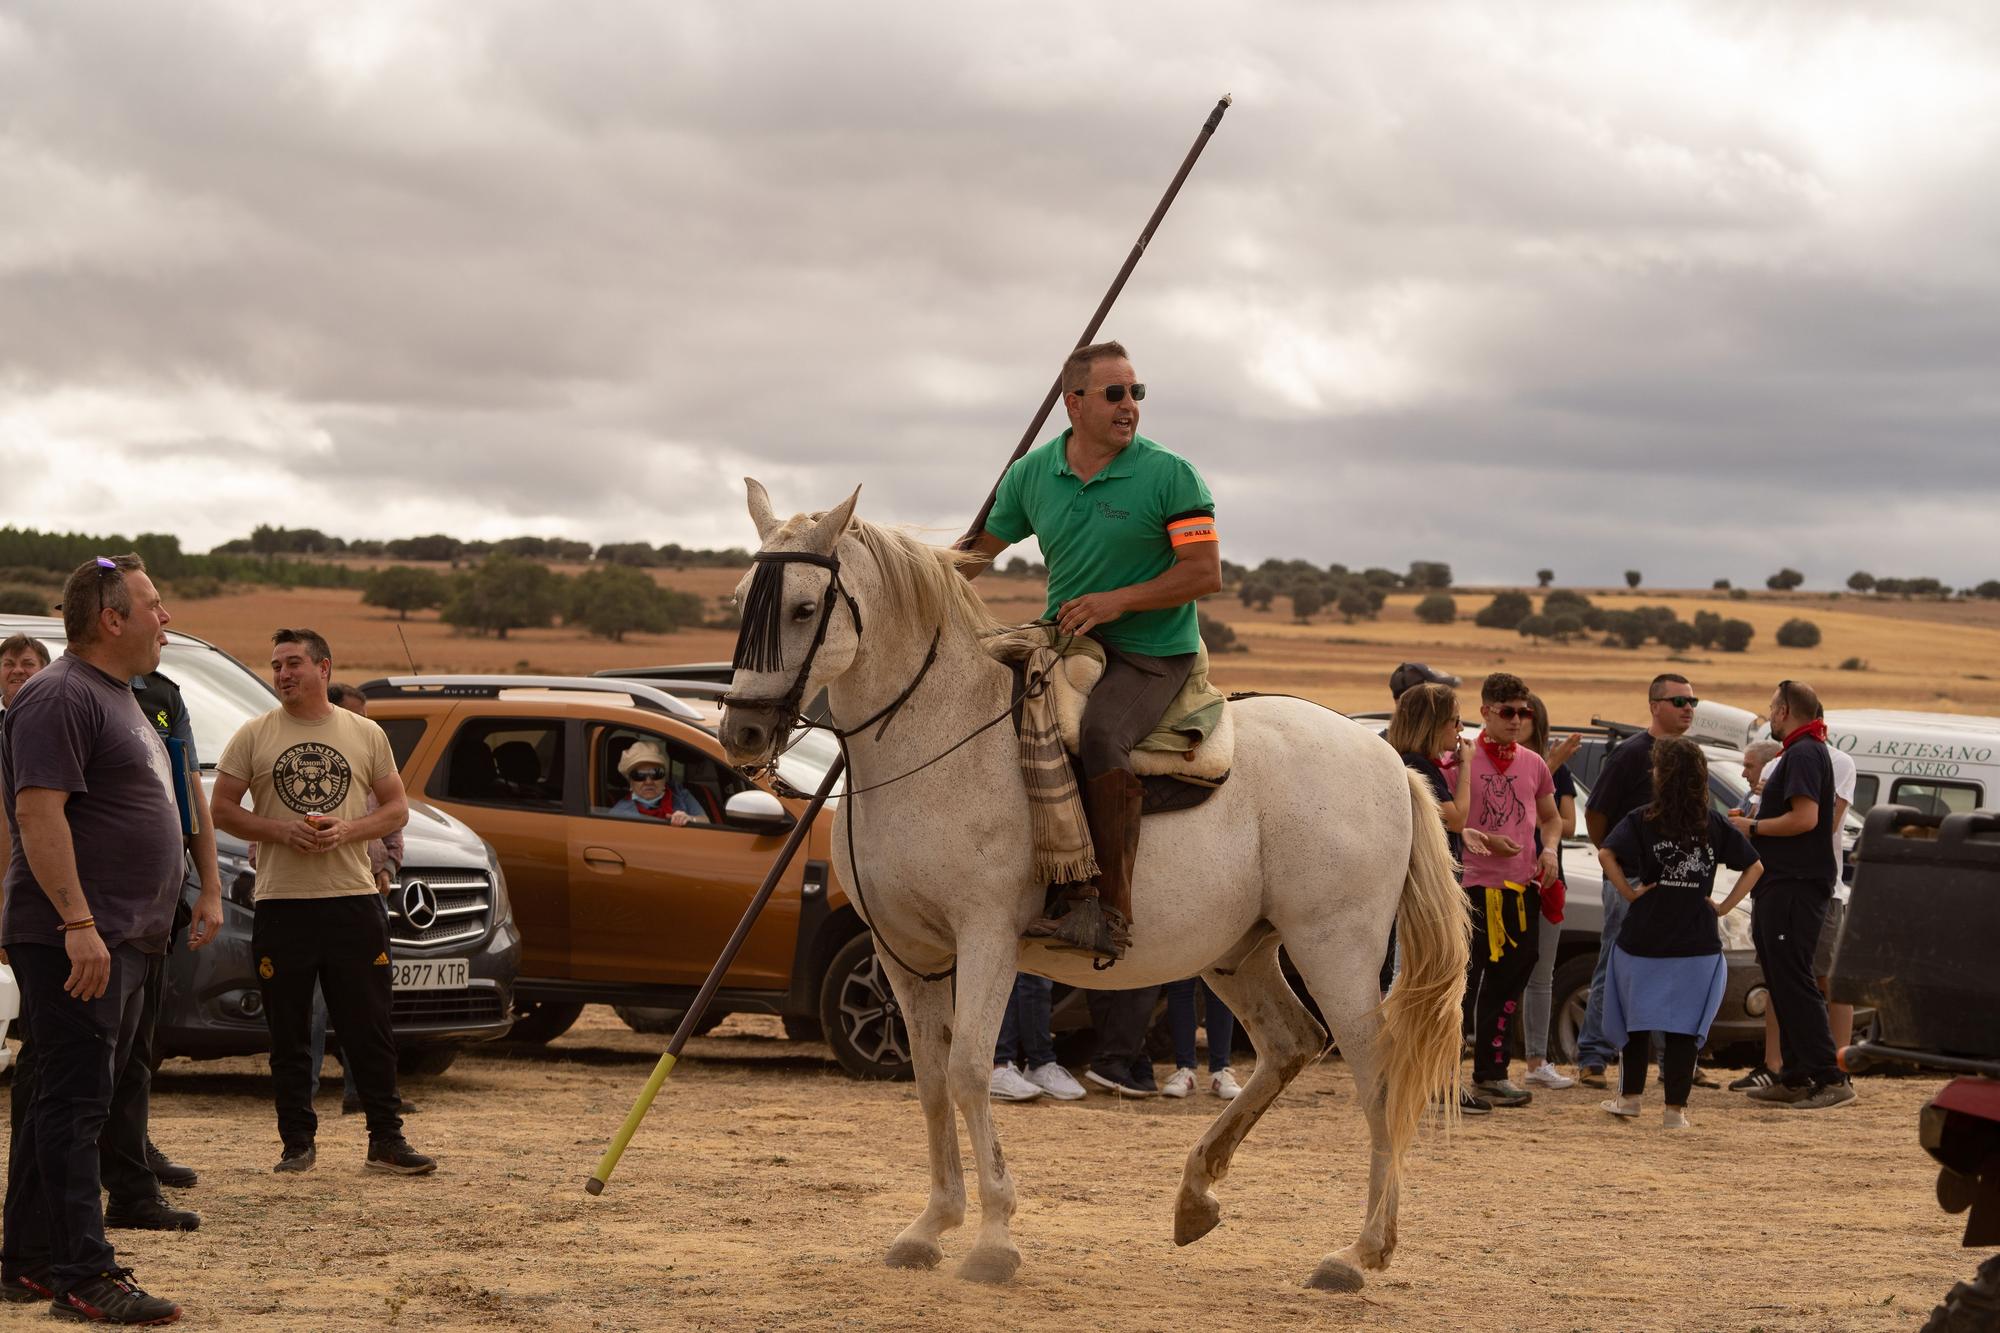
(1941, 763)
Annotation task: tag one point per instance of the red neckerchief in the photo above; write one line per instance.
(1815, 729)
(1501, 755)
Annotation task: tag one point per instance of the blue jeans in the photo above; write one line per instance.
(317, 1049)
(1024, 1024)
(1180, 1022)
(1592, 1049)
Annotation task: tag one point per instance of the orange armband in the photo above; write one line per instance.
(1188, 531)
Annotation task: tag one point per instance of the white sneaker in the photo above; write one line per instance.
(1676, 1117)
(1007, 1085)
(1627, 1107)
(1180, 1085)
(1056, 1081)
(1548, 1076)
(1223, 1084)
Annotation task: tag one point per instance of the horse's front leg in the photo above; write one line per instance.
(985, 980)
(927, 1016)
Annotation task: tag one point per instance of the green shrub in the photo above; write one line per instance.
(1853, 664)
(1678, 636)
(1216, 635)
(1739, 594)
(18, 601)
(197, 589)
(1437, 609)
(1506, 611)
(1536, 627)
(1734, 635)
(1797, 633)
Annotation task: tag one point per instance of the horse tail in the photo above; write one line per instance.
(1421, 1032)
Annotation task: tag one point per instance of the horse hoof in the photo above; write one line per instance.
(1195, 1216)
(990, 1265)
(914, 1254)
(1335, 1275)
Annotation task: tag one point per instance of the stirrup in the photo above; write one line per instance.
(1087, 927)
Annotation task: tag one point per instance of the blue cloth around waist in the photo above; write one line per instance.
(1662, 994)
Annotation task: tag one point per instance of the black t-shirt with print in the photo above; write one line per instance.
(1673, 919)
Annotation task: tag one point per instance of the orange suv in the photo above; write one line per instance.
(617, 908)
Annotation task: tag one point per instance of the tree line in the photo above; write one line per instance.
(444, 549)
(509, 592)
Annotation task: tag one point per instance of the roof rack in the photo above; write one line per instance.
(490, 687)
(1619, 729)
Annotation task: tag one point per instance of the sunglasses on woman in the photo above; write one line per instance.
(649, 775)
(1115, 393)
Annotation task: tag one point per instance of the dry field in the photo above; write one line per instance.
(1942, 657)
(765, 1187)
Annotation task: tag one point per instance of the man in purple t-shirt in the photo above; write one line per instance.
(90, 892)
(1511, 796)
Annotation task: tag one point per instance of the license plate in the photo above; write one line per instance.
(433, 974)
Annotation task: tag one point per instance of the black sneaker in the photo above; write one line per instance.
(397, 1157)
(150, 1215)
(1760, 1077)
(1468, 1104)
(352, 1106)
(1119, 1083)
(113, 1298)
(1822, 1095)
(296, 1161)
(169, 1173)
(1781, 1094)
(30, 1284)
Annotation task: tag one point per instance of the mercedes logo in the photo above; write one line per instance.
(420, 905)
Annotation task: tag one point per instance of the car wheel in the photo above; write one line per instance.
(800, 1028)
(649, 1018)
(540, 1021)
(425, 1061)
(863, 1022)
(1569, 1001)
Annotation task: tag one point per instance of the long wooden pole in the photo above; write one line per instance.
(601, 1177)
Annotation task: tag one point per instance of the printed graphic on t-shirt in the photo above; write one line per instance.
(156, 757)
(1682, 866)
(1503, 807)
(311, 778)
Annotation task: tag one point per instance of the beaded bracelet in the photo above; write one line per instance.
(84, 924)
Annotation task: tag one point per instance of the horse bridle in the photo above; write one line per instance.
(760, 641)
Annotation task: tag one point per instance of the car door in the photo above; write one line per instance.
(654, 902)
(509, 779)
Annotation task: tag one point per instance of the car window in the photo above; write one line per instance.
(403, 733)
(504, 761)
(1935, 798)
(693, 776)
(1867, 787)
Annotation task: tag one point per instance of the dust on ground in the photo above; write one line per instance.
(766, 1185)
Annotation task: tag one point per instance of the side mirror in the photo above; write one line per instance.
(759, 810)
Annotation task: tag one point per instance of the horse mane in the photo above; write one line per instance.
(925, 587)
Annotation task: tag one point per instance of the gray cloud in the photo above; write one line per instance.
(1576, 286)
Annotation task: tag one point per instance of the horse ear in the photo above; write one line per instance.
(760, 508)
(826, 533)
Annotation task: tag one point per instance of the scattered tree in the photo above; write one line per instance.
(1784, 580)
(1861, 580)
(1678, 637)
(615, 600)
(405, 588)
(1376, 577)
(437, 546)
(1355, 603)
(1632, 578)
(1627, 627)
(1506, 611)
(505, 592)
(1429, 574)
(1437, 609)
(1707, 628)
(1306, 602)
(1739, 594)
(1216, 635)
(1544, 577)
(1797, 633)
(1721, 585)
(1734, 635)
(1566, 626)
(1536, 627)
(1990, 590)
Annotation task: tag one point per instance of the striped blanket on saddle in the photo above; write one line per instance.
(1063, 853)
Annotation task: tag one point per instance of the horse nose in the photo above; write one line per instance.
(745, 736)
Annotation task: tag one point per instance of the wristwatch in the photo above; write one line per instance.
(1753, 828)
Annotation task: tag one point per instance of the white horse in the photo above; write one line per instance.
(1319, 839)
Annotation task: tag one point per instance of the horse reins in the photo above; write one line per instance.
(759, 647)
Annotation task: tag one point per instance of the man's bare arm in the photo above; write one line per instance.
(985, 544)
(45, 839)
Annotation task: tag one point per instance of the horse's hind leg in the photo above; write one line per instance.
(985, 980)
(1344, 979)
(1287, 1040)
(927, 1016)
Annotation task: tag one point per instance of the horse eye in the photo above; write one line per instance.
(804, 611)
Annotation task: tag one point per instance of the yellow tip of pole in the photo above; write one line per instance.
(602, 1175)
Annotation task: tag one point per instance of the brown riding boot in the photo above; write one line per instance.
(1098, 916)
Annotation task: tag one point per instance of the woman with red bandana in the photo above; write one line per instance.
(1510, 798)
(644, 765)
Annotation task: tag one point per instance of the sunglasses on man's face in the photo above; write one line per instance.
(1677, 700)
(1115, 393)
(1513, 714)
(649, 775)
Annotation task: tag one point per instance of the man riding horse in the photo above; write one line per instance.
(1128, 533)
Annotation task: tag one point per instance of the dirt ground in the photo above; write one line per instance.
(1932, 656)
(766, 1185)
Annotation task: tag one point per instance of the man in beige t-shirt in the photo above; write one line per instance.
(309, 769)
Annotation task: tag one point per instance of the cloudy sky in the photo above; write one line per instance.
(1698, 289)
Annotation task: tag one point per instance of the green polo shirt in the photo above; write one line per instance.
(1109, 532)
